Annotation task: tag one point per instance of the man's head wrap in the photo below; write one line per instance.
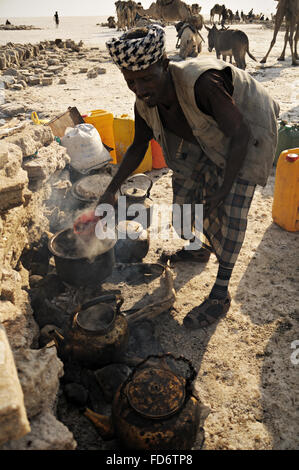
(138, 53)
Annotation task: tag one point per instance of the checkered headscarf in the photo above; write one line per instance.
(139, 53)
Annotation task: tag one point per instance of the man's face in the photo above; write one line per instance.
(149, 84)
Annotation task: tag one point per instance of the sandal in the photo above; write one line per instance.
(201, 256)
(207, 313)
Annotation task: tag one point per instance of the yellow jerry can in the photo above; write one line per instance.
(124, 131)
(285, 208)
(103, 121)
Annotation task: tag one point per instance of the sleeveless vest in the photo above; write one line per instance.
(259, 110)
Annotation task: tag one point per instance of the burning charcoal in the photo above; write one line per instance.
(76, 394)
(110, 378)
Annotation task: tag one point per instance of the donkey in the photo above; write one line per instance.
(229, 42)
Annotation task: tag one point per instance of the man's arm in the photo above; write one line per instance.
(133, 156)
(213, 92)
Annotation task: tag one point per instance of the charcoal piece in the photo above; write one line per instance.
(72, 373)
(46, 313)
(110, 378)
(76, 394)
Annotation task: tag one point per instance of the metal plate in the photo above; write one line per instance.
(156, 393)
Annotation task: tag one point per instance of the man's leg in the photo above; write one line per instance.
(225, 230)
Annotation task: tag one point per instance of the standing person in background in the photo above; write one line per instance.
(56, 18)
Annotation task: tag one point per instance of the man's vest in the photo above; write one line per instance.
(258, 109)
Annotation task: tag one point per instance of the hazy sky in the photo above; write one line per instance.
(22, 8)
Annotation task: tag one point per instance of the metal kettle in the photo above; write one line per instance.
(98, 335)
(138, 195)
(154, 408)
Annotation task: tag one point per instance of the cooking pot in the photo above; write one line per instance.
(136, 194)
(98, 335)
(87, 190)
(132, 242)
(154, 408)
(82, 268)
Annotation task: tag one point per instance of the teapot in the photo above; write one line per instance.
(98, 335)
(133, 242)
(138, 195)
(154, 408)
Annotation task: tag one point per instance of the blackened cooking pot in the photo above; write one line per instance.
(78, 269)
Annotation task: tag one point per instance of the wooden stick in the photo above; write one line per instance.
(153, 310)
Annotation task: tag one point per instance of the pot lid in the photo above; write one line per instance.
(91, 187)
(135, 193)
(156, 393)
(96, 319)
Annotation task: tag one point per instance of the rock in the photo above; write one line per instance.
(39, 371)
(31, 138)
(47, 81)
(3, 62)
(13, 418)
(55, 68)
(11, 71)
(92, 74)
(101, 71)
(47, 433)
(31, 81)
(19, 323)
(23, 83)
(62, 81)
(7, 80)
(3, 154)
(17, 87)
(83, 70)
(49, 160)
(11, 109)
(11, 190)
(53, 62)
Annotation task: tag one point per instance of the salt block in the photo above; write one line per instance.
(14, 423)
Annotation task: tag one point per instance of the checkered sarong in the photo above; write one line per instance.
(194, 178)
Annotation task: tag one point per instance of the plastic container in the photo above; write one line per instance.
(288, 138)
(157, 156)
(124, 131)
(285, 208)
(103, 122)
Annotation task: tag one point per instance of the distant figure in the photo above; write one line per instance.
(8, 22)
(56, 17)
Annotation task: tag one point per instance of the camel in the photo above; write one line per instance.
(288, 9)
(230, 16)
(195, 9)
(121, 15)
(126, 13)
(169, 10)
(216, 10)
